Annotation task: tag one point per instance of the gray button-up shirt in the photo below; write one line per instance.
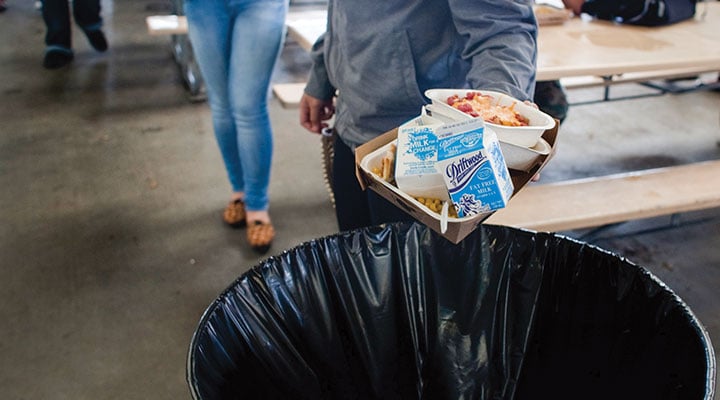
(380, 57)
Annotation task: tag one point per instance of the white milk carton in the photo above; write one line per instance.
(415, 162)
(473, 168)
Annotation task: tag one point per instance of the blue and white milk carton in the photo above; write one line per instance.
(473, 167)
(415, 166)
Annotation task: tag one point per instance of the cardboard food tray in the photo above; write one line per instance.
(456, 229)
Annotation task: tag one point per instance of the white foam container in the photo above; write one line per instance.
(521, 158)
(525, 136)
(369, 156)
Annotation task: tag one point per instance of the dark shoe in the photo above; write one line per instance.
(57, 58)
(97, 39)
(260, 235)
(234, 214)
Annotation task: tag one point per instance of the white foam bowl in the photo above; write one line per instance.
(524, 158)
(525, 136)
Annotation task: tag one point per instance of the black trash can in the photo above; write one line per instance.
(398, 312)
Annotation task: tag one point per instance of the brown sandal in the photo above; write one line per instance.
(260, 236)
(234, 214)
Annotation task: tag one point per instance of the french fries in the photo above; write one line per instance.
(386, 171)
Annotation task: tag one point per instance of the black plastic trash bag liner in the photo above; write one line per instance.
(398, 312)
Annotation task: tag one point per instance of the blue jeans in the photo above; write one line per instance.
(236, 44)
(56, 14)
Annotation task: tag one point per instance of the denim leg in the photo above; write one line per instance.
(209, 30)
(236, 44)
(87, 14)
(258, 34)
(56, 14)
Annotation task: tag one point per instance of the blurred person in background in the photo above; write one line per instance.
(236, 44)
(58, 38)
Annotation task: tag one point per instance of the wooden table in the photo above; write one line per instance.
(306, 26)
(600, 48)
(593, 48)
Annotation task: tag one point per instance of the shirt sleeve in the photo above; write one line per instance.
(318, 84)
(501, 44)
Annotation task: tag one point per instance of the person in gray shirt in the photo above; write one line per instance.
(377, 58)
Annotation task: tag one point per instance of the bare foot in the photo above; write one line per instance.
(262, 216)
(237, 196)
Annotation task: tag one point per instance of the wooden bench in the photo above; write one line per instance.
(581, 82)
(593, 202)
(661, 81)
(288, 94)
(166, 24)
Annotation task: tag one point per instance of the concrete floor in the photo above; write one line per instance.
(111, 245)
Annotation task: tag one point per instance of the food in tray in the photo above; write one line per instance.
(435, 205)
(386, 170)
(525, 135)
(459, 163)
(481, 105)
